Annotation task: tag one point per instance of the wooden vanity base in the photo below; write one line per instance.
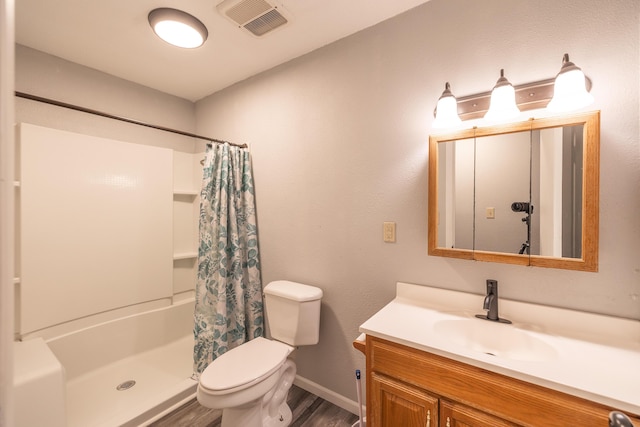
(408, 387)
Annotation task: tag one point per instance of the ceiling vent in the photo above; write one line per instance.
(256, 16)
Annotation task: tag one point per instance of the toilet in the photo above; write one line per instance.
(250, 383)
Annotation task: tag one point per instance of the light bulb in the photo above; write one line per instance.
(446, 110)
(570, 89)
(503, 101)
(178, 34)
(178, 28)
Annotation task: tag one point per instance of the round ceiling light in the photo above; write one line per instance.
(178, 28)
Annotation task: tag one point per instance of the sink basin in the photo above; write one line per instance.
(495, 339)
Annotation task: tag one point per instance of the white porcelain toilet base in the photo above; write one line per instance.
(254, 416)
(270, 410)
(283, 419)
(249, 416)
(276, 411)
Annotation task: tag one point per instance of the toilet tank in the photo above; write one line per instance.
(293, 312)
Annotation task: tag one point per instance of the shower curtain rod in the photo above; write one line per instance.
(120, 118)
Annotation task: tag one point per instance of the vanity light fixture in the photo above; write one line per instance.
(570, 89)
(447, 110)
(178, 28)
(503, 101)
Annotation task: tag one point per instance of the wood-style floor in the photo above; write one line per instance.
(308, 411)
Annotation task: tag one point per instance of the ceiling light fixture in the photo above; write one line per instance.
(503, 101)
(178, 28)
(570, 88)
(446, 110)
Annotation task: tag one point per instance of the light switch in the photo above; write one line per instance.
(491, 213)
(389, 232)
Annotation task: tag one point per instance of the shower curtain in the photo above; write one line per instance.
(228, 309)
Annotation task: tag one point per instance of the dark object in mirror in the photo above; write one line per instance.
(528, 209)
(522, 207)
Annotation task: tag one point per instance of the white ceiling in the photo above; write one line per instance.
(114, 36)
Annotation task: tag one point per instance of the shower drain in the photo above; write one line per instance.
(126, 385)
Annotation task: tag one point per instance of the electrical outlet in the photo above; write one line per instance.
(389, 232)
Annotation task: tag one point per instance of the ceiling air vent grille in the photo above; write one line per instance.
(256, 16)
(247, 10)
(267, 22)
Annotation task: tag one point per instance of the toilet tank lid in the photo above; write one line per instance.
(293, 291)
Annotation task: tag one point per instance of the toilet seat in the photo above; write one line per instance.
(244, 366)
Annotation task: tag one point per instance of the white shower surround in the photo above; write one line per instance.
(153, 348)
(96, 225)
(117, 324)
(7, 199)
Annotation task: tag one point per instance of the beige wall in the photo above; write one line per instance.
(51, 77)
(339, 141)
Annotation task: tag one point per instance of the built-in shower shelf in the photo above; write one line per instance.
(187, 176)
(185, 193)
(185, 255)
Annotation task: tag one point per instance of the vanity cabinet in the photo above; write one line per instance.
(399, 404)
(409, 387)
(453, 414)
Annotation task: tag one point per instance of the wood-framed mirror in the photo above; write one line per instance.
(522, 193)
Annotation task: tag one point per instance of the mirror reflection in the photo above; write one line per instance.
(455, 193)
(502, 177)
(518, 193)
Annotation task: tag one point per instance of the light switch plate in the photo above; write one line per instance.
(389, 232)
(490, 213)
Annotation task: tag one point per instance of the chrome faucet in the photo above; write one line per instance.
(491, 303)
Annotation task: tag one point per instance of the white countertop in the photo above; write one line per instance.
(592, 356)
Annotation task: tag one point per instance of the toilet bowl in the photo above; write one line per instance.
(250, 383)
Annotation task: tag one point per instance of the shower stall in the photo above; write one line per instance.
(106, 236)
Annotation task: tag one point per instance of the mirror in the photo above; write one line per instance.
(524, 193)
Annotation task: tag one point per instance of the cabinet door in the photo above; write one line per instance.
(397, 404)
(453, 414)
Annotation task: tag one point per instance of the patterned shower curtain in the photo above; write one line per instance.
(228, 310)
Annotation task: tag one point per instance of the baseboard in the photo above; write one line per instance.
(328, 395)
